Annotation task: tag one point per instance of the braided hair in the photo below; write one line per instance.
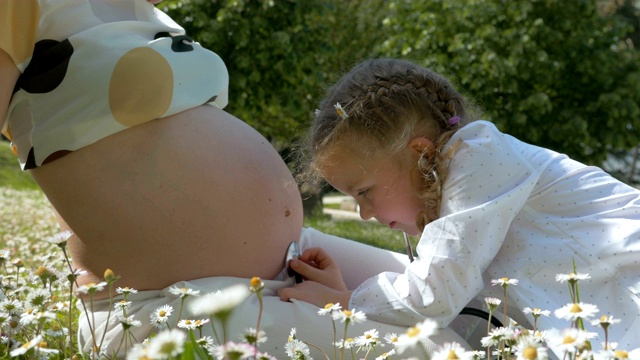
(384, 103)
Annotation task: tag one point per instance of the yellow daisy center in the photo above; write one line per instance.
(621, 354)
(568, 340)
(255, 281)
(505, 279)
(328, 306)
(162, 313)
(575, 309)
(452, 355)
(347, 313)
(530, 353)
(413, 331)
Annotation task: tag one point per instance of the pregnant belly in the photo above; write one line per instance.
(194, 195)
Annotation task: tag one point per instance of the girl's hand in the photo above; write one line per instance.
(323, 280)
(315, 294)
(316, 265)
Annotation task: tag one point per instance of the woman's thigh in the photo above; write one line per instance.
(194, 195)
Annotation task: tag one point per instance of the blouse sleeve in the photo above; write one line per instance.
(488, 183)
(18, 29)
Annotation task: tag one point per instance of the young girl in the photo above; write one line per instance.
(404, 144)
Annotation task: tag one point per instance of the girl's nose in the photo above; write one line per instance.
(366, 211)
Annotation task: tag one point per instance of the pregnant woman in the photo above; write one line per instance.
(117, 114)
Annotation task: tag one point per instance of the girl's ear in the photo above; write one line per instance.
(420, 146)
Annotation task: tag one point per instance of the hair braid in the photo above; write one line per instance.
(385, 103)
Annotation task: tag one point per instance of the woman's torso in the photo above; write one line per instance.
(193, 194)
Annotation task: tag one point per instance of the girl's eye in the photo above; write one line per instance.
(363, 193)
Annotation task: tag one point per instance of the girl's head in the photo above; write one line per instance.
(391, 115)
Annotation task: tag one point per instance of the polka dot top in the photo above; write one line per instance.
(91, 68)
(517, 211)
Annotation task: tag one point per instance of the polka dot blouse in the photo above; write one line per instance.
(514, 210)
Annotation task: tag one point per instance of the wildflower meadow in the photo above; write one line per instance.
(39, 313)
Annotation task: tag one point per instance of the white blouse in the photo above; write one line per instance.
(514, 210)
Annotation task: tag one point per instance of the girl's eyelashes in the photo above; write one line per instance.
(363, 193)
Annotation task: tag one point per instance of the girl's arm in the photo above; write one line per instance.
(488, 184)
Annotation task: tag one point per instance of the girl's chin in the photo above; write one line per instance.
(409, 230)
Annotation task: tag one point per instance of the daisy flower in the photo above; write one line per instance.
(122, 305)
(492, 302)
(4, 318)
(166, 345)
(391, 338)
(12, 307)
(232, 350)
(504, 282)
(477, 354)
(369, 339)
(329, 308)
(342, 114)
(386, 355)
(292, 334)
(161, 315)
(265, 356)
(126, 291)
(256, 284)
(347, 343)
(570, 341)
(450, 351)
(605, 321)
(206, 342)
(529, 349)
(129, 322)
(183, 292)
(91, 288)
(21, 350)
(572, 278)
(497, 335)
(57, 331)
(187, 324)
(220, 303)
(138, 352)
(416, 334)
(36, 317)
(38, 297)
(351, 316)
(252, 337)
(536, 312)
(575, 311)
(60, 239)
(296, 349)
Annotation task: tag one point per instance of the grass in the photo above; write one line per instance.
(10, 173)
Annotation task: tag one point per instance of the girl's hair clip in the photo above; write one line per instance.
(340, 111)
(453, 120)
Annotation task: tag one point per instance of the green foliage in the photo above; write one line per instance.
(279, 54)
(369, 233)
(10, 174)
(552, 72)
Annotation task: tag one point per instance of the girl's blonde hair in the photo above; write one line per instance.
(381, 104)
